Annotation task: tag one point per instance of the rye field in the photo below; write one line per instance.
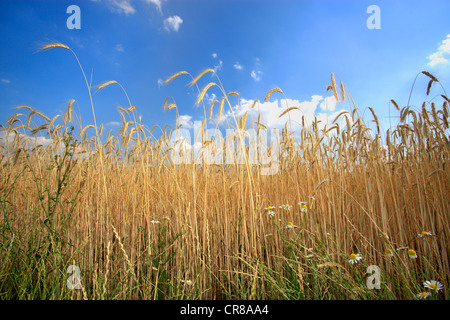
(351, 212)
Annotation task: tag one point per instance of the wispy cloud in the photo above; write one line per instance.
(157, 3)
(219, 64)
(172, 23)
(209, 98)
(5, 80)
(122, 6)
(438, 56)
(256, 73)
(113, 123)
(186, 121)
(238, 66)
(119, 48)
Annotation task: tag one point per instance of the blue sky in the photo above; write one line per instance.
(254, 45)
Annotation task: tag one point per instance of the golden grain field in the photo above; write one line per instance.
(346, 196)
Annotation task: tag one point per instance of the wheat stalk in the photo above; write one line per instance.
(433, 78)
(375, 119)
(130, 265)
(342, 91)
(195, 80)
(105, 84)
(222, 102)
(68, 114)
(395, 104)
(288, 110)
(267, 97)
(107, 268)
(175, 76)
(203, 92)
(54, 45)
(333, 87)
(211, 108)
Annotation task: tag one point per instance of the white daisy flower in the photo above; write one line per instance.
(303, 206)
(433, 285)
(423, 295)
(425, 234)
(270, 211)
(286, 207)
(388, 252)
(412, 254)
(290, 225)
(354, 258)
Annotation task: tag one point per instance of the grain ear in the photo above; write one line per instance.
(203, 92)
(288, 110)
(105, 84)
(176, 75)
(194, 81)
(68, 114)
(54, 45)
(342, 91)
(267, 97)
(334, 88)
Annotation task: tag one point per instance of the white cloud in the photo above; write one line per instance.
(218, 66)
(119, 48)
(328, 103)
(23, 141)
(122, 6)
(186, 121)
(185, 144)
(173, 23)
(5, 80)
(209, 98)
(113, 123)
(438, 56)
(160, 82)
(270, 112)
(256, 75)
(157, 3)
(238, 66)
